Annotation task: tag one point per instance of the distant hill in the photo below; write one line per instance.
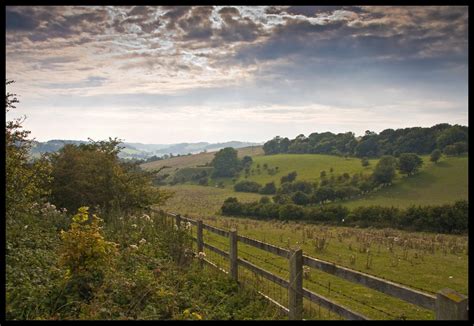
(197, 160)
(142, 151)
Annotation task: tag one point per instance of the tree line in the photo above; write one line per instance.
(450, 139)
(448, 218)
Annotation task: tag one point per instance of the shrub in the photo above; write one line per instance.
(291, 212)
(268, 189)
(85, 254)
(247, 186)
(300, 198)
(289, 177)
(231, 206)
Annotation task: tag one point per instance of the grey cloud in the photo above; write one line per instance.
(174, 14)
(236, 28)
(197, 25)
(16, 21)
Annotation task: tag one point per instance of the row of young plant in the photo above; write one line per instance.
(332, 188)
(448, 218)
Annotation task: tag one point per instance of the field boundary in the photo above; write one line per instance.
(446, 304)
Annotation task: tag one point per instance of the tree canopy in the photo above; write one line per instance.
(409, 163)
(226, 163)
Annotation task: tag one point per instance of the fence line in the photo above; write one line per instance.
(447, 304)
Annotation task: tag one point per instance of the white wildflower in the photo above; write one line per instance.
(306, 272)
(64, 210)
(134, 225)
(142, 241)
(134, 246)
(26, 227)
(450, 277)
(53, 207)
(396, 239)
(201, 255)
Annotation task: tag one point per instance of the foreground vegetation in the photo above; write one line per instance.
(81, 243)
(136, 268)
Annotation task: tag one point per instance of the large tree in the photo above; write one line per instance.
(226, 163)
(435, 155)
(92, 174)
(384, 171)
(409, 163)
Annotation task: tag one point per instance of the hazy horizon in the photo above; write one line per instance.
(167, 75)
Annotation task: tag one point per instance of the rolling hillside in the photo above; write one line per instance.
(198, 159)
(435, 184)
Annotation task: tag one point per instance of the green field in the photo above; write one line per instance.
(307, 166)
(408, 262)
(436, 184)
(415, 266)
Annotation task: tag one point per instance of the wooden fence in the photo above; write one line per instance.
(447, 304)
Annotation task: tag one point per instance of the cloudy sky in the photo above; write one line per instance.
(188, 74)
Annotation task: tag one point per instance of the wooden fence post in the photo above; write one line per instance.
(295, 288)
(200, 242)
(451, 305)
(178, 221)
(233, 255)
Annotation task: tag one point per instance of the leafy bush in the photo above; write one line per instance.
(289, 177)
(247, 186)
(92, 175)
(268, 189)
(85, 255)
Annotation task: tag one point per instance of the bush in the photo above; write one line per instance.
(268, 189)
(92, 175)
(231, 206)
(300, 198)
(288, 178)
(85, 254)
(291, 212)
(247, 186)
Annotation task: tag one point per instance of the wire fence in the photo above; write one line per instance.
(254, 270)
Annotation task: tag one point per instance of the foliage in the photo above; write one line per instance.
(92, 175)
(443, 218)
(226, 163)
(268, 189)
(247, 186)
(26, 182)
(450, 136)
(388, 142)
(384, 171)
(457, 148)
(364, 161)
(409, 163)
(289, 178)
(85, 255)
(435, 155)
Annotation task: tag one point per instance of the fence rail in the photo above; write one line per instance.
(447, 304)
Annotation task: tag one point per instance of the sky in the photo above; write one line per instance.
(209, 73)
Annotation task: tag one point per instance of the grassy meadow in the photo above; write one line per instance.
(425, 261)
